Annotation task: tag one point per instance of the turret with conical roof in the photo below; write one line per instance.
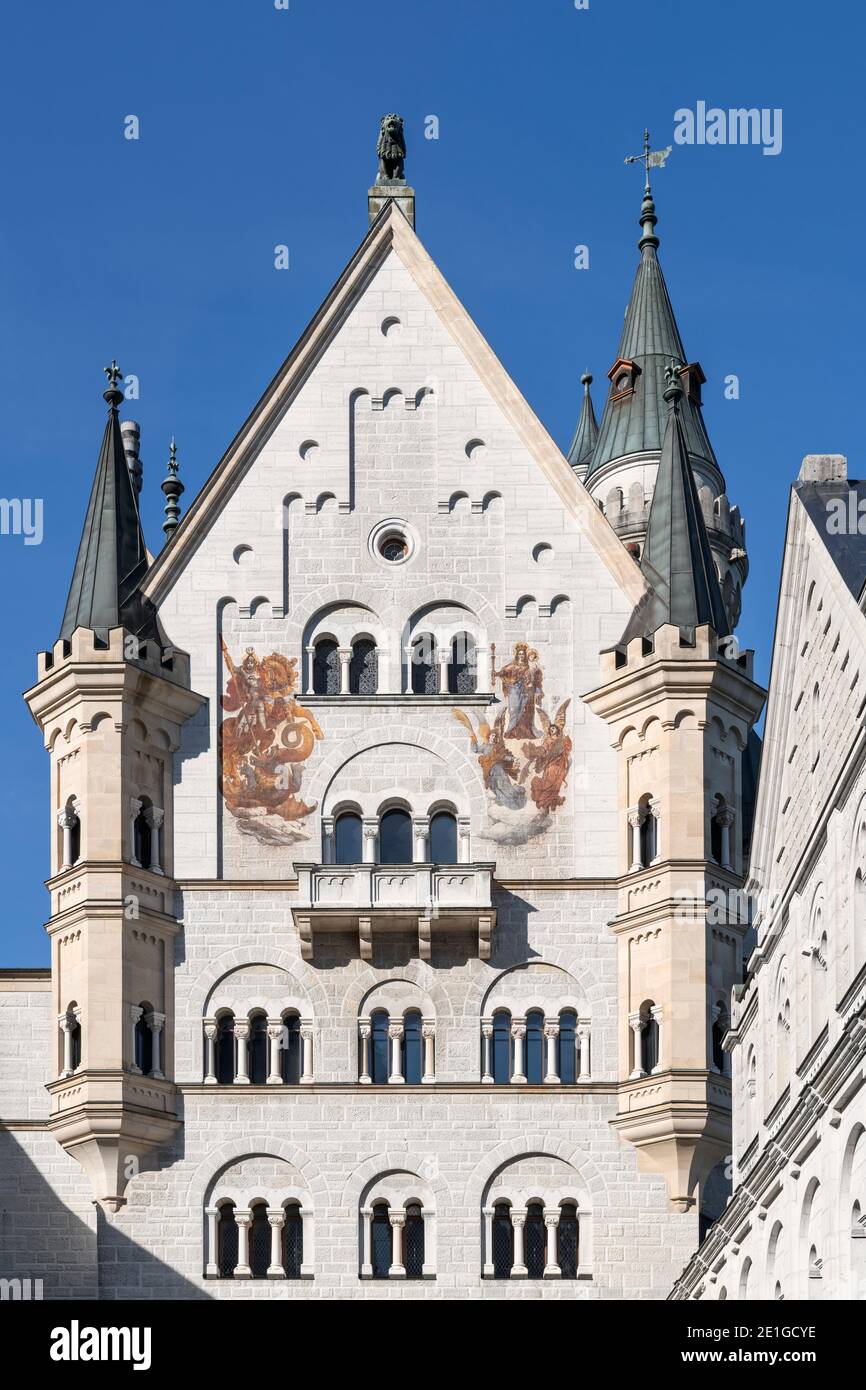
(586, 434)
(621, 473)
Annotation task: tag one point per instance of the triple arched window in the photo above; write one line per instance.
(257, 1049)
(535, 1048)
(394, 1241)
(395, 836)
(535, 1241)
(396, 1050)
(255, 1241)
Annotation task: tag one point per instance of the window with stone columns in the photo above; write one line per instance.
(398, 833)
(720, 1024)
(363, 667)
(643, 821)
(325, 659)
(69, 825)
(263, 1045)
(397, 1049)
(69, 1024)
(721, 825)
(423, 660)
(397, 1229)
(147, 823)
(147, 1026)
(540, 1047)
(534, 1235)
(646, 1029)
(252, 1235)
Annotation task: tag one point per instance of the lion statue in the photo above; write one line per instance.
(391, 147)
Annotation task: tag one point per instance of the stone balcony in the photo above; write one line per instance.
(376, 899)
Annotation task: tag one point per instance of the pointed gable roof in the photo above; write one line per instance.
(112, 557)
(389, 233)
(635, 423)
(586, 433)
(677, 559)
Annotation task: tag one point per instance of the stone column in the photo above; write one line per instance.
(551, 1223)
(66, 819)
(464, 840)
(370, 836)
(212, 1269)
(345, 655)
(484, 678)
(655, 808)
(242, 1033)
(327, 839)
(365, 1030)
(518, 1221)
(398, 1223)
(395, 1033)
(551, 1033)
(311, 659)
(488, 1269)
(134, 808)
(407, 687)
(244, 1220)
(276, 1220)
(135, 1014)
(634, 1023)
(635, 820)
(443, 659)
(155, 817)
(656, 1012)
(583, 1033)
(518, 1033)
(276, 1035)
(367, 1229)
(428, 1033)
(156, 1023)
(421, 839)
(486, 1049)
(210, 1033)
(66, 1023)
(306, 1053)
(725, 819)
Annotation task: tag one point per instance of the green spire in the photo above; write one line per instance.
(586, 433)
(677, 560)
(172, 487)
(112, 557)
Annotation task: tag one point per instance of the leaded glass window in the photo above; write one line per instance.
(260, 1242)
(411, 1047)
(293, 1242)
(503, 1241)
(566, 1047)
(534, 1241)
(567, 1241)
(379, 1048)
(413, 1242)
(227, 1241)
(425, 679)
(326, 668)
(502, 1048)
(463, 670)
(381, 1245)
(363, 668)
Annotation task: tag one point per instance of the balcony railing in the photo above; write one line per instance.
(376, 899)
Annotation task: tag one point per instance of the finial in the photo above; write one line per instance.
(113, 395)
(586, 382)
(651, 159)
(172, 487)
(674, 388)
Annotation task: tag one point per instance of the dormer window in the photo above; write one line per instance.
(623, 375)
(692, 379)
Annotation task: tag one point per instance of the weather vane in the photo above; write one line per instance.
(651, 159)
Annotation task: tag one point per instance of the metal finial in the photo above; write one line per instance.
(113, 395)
(674, 388)
(113, 373)
(172, 488)
(586, 381)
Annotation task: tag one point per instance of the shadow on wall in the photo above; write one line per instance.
(76, 1255)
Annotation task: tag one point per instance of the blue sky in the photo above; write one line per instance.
(258, 127)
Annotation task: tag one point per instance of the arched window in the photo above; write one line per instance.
(260, 1241)
(381, 1244)
(425, 675)
(75, 1039)
(363, 668)
(502, 1049)
(816, 723)
(227, 1241)
(225, 1050)
(503, 1241)
(395, 837)
(818, 981)
(783, 1045)
(326, 667)
(413, 1241)
(70, 833)
(649, 1039)
(567, 1241)
(744, 1278)
(379, 1068)
(291, 1058)
(720, 1028)
(144, 1041)
(648, 833)
(142, 837)
(411, 1048)
(715, 834)
(534, 1047)
(293, 1241)
(348, 839)
(463, 669)
(566, 1046)
(534, 1244)
(443, 838)
(258, 1050)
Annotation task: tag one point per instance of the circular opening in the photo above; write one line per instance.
(393, 548)
(392, 542)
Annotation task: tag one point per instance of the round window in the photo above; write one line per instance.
(393, 548)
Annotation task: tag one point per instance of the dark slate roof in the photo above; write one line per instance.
(587, 429)
(112, 558)
(676, 558)
(650, 337)
(845, 544)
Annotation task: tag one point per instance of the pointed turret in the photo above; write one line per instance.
(586, 433)
(112, 557)
(677, 559)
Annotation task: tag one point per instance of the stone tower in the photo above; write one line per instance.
(110, 699)
(680, 703)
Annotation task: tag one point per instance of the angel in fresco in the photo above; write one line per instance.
(496, 760)
(522, 687)
(550, 760)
